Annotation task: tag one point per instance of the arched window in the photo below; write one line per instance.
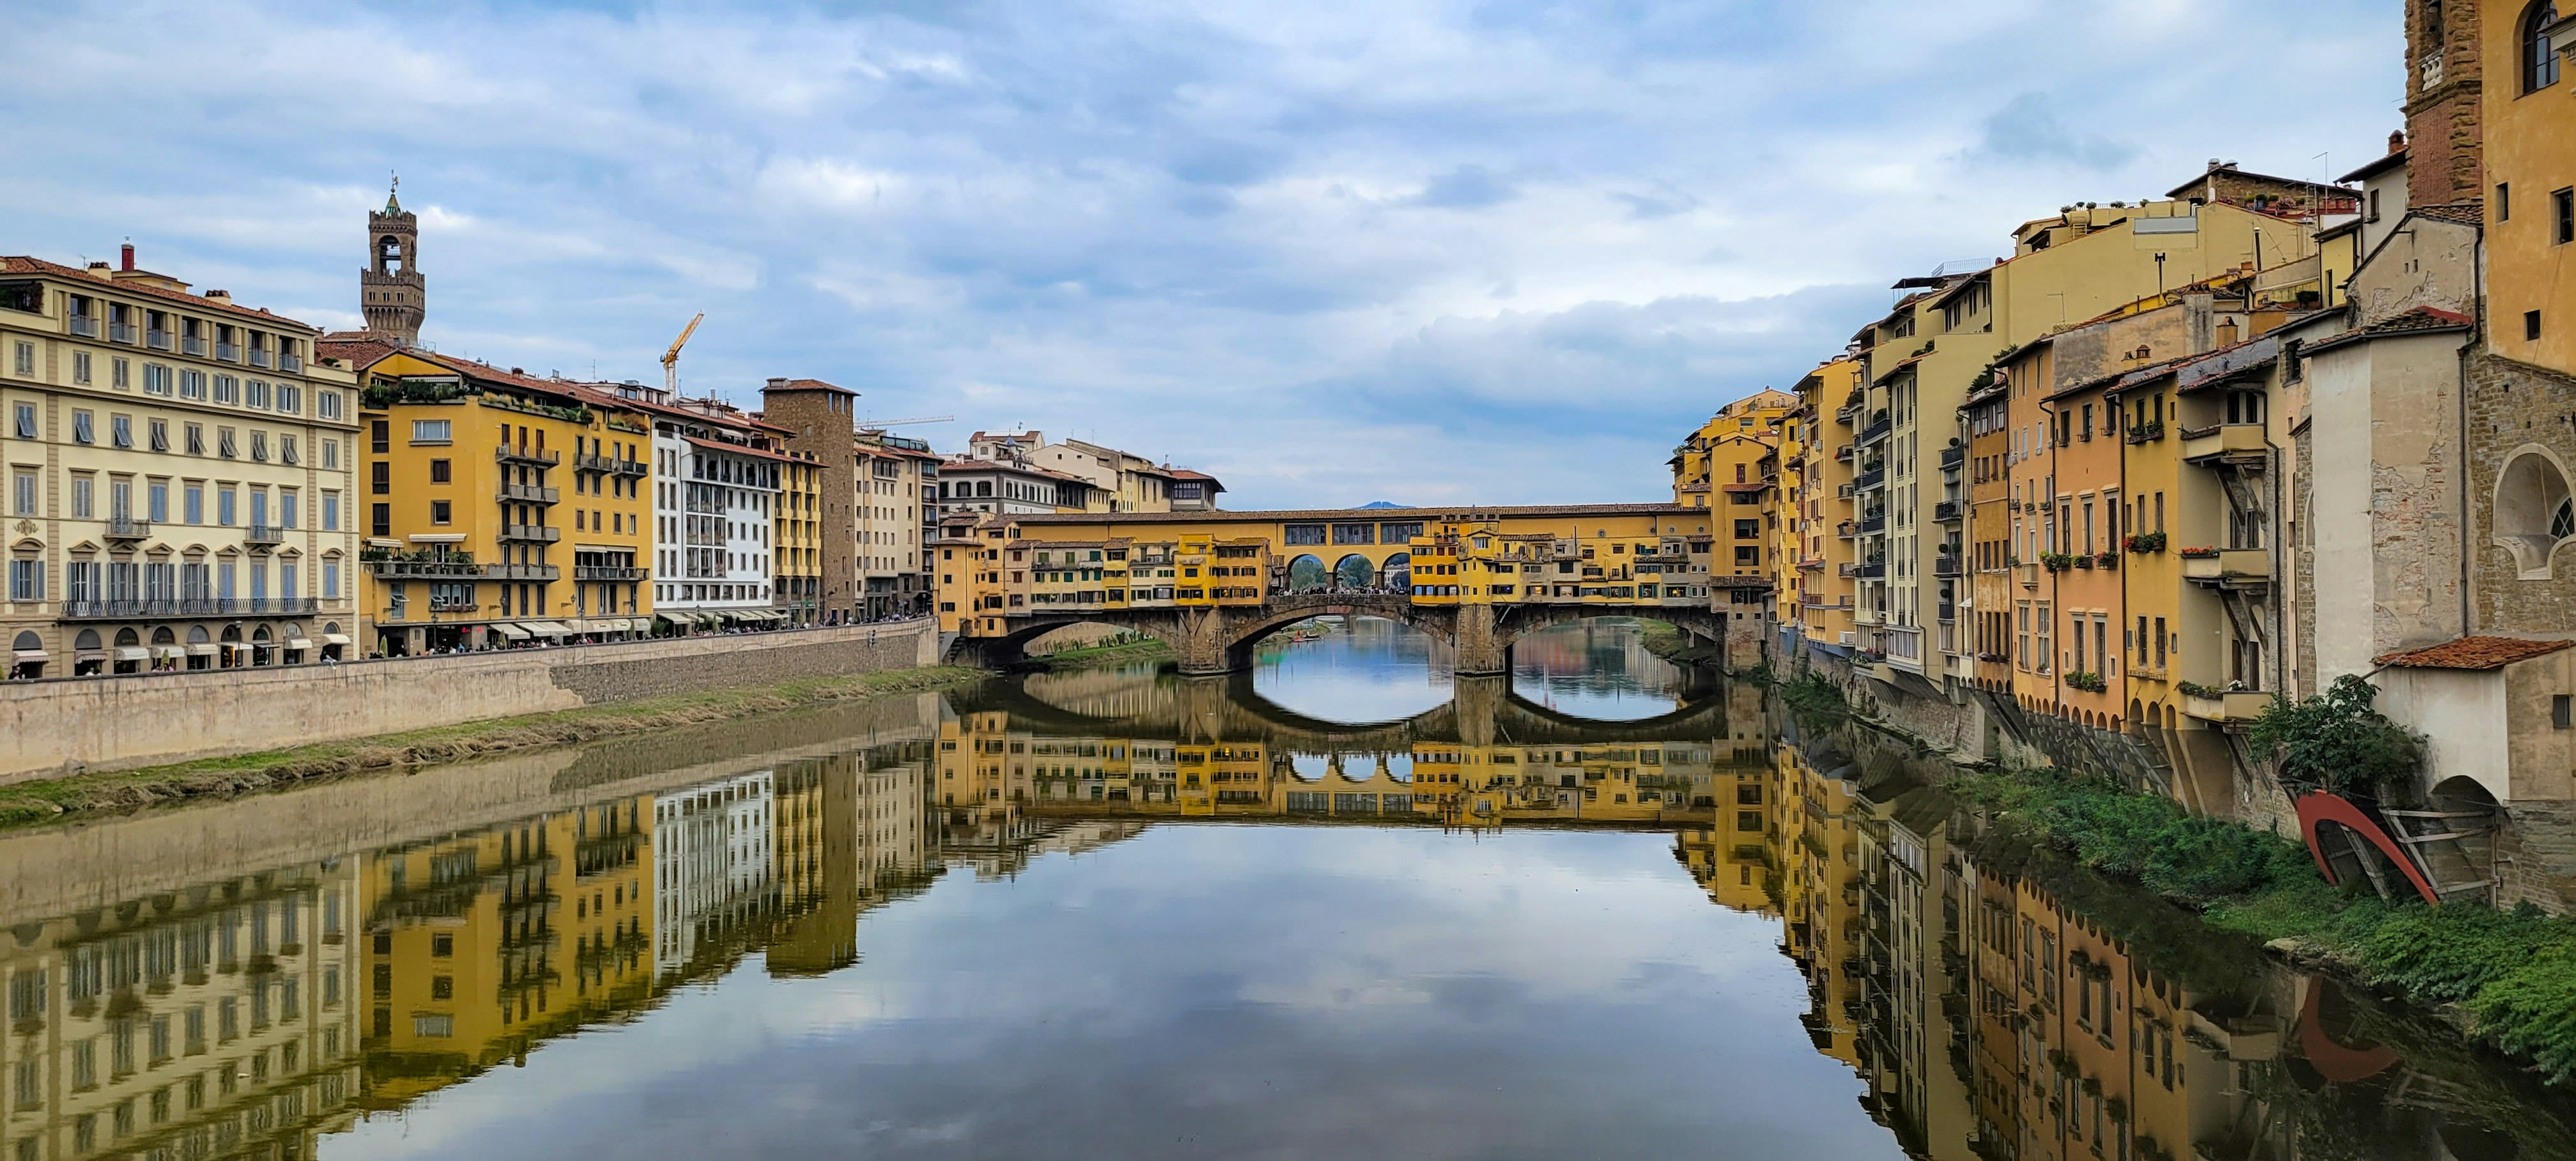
(2533, 511)
(2539, 64)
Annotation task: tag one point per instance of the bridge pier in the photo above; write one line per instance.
(1477, 647)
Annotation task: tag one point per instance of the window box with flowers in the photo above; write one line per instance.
(2107, 560)
(2088, 682)
(2146, 542)
(2056, 561)
(2199, 553)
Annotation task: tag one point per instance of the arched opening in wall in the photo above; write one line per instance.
(1307, 574)
(1350, 670)
(2533, 513)
(129, 655)
(89, 653)
(1084, 636)
(333, 641)
(389, 254)
(260, 652)
(2539, 58)
(165, 649)
(1398, 573)
(2169, 718)
(2137, 711)
(1354, 573)
(27, 656)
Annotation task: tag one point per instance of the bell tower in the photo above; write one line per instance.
(390, 289)
(2445, 138)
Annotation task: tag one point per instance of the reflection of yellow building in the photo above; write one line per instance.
(216, 1020)
(480, 945)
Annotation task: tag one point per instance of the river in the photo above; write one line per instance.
(1346, 905)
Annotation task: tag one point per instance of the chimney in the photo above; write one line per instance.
(220, 295)
(129, 257)
(777, 381)
(2397, 141)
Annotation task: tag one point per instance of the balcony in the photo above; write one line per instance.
(1846, 530)
(521, 455)
(264, 534)
(227, 353)
(607, 572)
(192, 346)
(1847, 570)
(2229, 568)
(1873, 525)
(530, 533)
(1873, 478)
(149, 608)
(2226, 706)
(159, 340)
(127, 528)
(608, 465)
(1874, 570)
(84, 325)
(1953, 456)
(1947, 564)
(1843, 454)
(2224, 443)
(423, 569)
(1948, 612)
(259, 357)
(530, 494)
(1946, 512)
(122, 333)
(446, 605)
(289, 364)
(2029, 571)
(1873, 433)
(523, 572)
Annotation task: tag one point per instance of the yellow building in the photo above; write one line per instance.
(896, 480)
(500, 507)
(2528, 58)
(796, 538)
(179, 470)
(1723, 450)
(1820, 576)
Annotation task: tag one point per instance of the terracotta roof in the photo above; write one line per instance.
(2391, 159)
(2474, 653)
(1186, 474)
(21, 264)
(2460, 213)
(2423, 320)
(806, 385)
(735, 448)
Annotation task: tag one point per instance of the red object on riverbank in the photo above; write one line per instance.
(2318, 807)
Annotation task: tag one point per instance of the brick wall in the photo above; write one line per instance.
(55, 727)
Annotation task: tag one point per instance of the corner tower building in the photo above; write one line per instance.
(390, 289)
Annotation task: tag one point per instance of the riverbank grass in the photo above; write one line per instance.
(2508, 977)
(56, 798)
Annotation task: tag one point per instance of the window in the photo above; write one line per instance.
(2539, 64)
(158, 497)
(2562, 214)
(330, 580)
(290, 398)
(83, 431)
(156, 379)
(379, 435)
(429, 431)
(226, 502)
(122, 374)
(441, 511)
(255, 394)
(120, 430)
(2504, 201)
(326, 404)
(380, 520)
(2531, 325)
(193, 495)
(196, 439)
(259, 446)
(286, 507)
(330, 511)
(159, 434)
(192, 384)
(22, 493)
(224, 443)
(24, 420)
(26, 361)
(80, 367)
(380, 478)
(440, 471)
(330, 453)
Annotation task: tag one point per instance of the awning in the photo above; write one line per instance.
(513, 632)
(168, 652)
(300, 644)
(547, 628)
(132, 653)
(89, 655)
(676, 621)
(31, 655)
(235, 646)
(335, 638)
(202, 649)
(710, 620)
(616, 625)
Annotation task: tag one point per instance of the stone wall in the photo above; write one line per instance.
(65, 726)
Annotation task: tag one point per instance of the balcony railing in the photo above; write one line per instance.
(606, 572)
(531, 533)
(609, 464)
(122, 333)
(1945, 565)
(1873, 525)
(2242, 442)
(289, 364)
(1870, 479)
(524, 572)
(259, 357)
(192, 346)
(1945, 511)
(530, 494)
(1874, 432)
(1871, 571)
(85, 325)
(263, 534)
(141, 608)
(423, 569)
(127, 528)
(1953, 456)
(158, 340)
(227, 353)
(508, 455)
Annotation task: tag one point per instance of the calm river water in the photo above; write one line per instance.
(1346, 906)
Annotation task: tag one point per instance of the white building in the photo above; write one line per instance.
(713, 863)
(716, 487)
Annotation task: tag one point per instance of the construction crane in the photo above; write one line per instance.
(671, 358)
(882, 424)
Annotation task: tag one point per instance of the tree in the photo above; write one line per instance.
(2338, 742)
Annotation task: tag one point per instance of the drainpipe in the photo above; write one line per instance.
(2048, 513)
(2460, 402)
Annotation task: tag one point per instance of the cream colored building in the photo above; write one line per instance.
(181, 471)
(894, 478)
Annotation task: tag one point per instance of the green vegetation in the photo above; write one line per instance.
(1116, 650)
(42, 801)
(1814, 703)
(2510, 974)
(2338, 742)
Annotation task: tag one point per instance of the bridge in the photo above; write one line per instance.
(1212, 585)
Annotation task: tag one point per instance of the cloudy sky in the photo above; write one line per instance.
(1420, 250)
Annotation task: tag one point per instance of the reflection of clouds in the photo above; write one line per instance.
(1234, 991)
(1595, 669)
(1368, 671)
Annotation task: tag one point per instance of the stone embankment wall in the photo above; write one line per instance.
(49, 728)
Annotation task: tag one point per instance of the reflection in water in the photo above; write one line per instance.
(1595, 669)
(960, 932)
(1355, 669)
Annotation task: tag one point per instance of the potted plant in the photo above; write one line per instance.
(2146, 542)
(2203, 553)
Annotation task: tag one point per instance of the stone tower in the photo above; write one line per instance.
(390, 289)
(2443, 129)
(822, 420)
